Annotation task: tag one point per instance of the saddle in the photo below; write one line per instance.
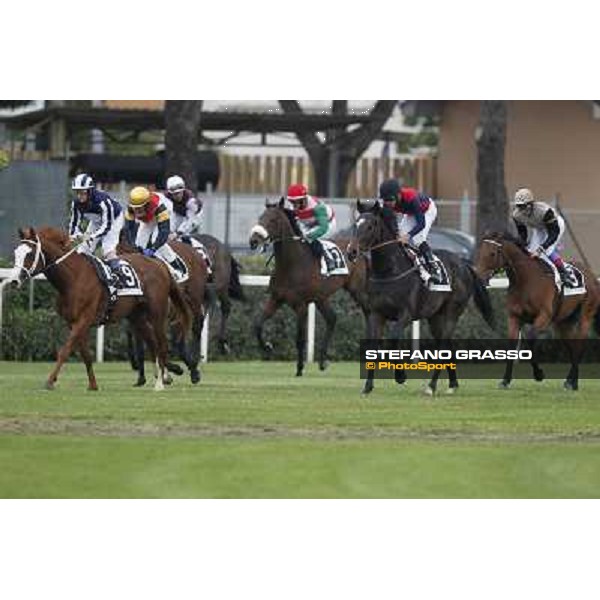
(439, 281)
(333, 261)
(179, 275)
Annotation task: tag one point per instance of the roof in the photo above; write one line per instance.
(144, 119)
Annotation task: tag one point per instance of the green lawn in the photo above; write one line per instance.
(254, 430)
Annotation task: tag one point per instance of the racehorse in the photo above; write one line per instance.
(297, 280)
(194, 291)
(396, 291)
(533, 298)
(83, 299)
(225, 282)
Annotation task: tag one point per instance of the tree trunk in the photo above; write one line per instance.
(348, 146)
(182, 122)
(492, 206)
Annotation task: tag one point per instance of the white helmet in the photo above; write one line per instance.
(175, 184)
(523, 196)
(82, 182)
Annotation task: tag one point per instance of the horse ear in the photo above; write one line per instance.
(32, 232)
(21, 234)
(281, 202)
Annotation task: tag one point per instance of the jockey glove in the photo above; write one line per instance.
(148, 252)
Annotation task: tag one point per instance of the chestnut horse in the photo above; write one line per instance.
(297, 280)
(533, 298)
(194, 292)
(83, 298)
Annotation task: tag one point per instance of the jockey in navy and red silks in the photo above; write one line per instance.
(415, 213)
(315, 218)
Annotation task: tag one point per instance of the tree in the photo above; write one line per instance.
(492, 207)
(334, 158)
(182, 122)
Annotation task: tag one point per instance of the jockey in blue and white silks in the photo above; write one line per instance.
(104, 216)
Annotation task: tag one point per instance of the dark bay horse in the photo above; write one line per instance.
(225, 282)
(83, 299)
(297, 280)
(396, 292)
(194, 293)
(533, 298)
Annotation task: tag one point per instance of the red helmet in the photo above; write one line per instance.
(296, 192)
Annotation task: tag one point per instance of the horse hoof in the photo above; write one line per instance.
(401, 378)
(539, 375)
(159, 386)
(503, 385)
(174, 368)
(167, 379)
(428, 391)
(268, 347)
(323, 365)
(366, 390)
(451, 390)
(140, 382)
(224, 348)
(570, 386)
(195, 376)
(299, 373)
(49, 386)
(92, 388)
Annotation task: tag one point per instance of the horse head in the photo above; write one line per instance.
(276, 223)
(490, 256)
(372, 227)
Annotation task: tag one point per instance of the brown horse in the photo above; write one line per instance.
(533, 298)
(83, 299)
(194, 292)
(297, 280)
(225, 283)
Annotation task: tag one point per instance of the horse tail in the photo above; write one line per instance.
(235, 287)
(482, 299)
(182, 309)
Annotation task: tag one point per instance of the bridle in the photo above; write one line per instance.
(31, 271)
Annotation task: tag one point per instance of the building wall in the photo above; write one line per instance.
(553, 147)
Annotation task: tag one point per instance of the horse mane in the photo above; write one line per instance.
(507, 236)
(292, 219)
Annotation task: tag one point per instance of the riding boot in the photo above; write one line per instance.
(116, 280)
(186, 239)
(427, 254)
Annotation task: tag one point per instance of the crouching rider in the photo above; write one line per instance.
(315, 218)
(151, 211)
(541, 228)
(415, 213)
(104, 216)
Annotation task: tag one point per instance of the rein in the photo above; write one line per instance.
(37, 244)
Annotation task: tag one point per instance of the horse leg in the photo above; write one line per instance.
(132, 351)
(575, 346)
(225, 303)
(179, 346)
(375, 324)
(194, 355)
(268, 311)
(442, 327)
(532, 340)
(330, 320)
(513, 335)
(79, 329)
(397, 334)
(86, 355)
(301, 319)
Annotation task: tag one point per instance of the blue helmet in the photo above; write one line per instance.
(389, 190)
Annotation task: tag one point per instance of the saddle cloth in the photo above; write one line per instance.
(127, 282)
(576, 284)
(440, 282)
(200, 248)
(336, 258)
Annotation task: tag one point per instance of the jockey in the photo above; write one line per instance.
(104, 216)
(152, 210)
(540, 227)
(315, 219)
(187, 210)
(415, 213)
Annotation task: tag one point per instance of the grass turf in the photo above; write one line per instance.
(254, 430)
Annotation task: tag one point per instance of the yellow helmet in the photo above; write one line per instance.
(139, 196)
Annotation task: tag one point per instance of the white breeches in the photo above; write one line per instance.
(407, 222)
(538, 236)
(147, 233)
(109, 241)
